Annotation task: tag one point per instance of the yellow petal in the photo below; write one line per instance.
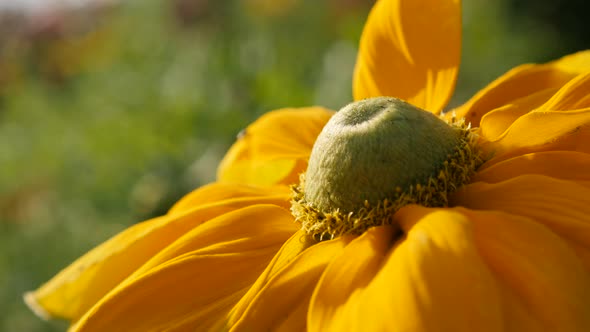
(573, 95)
(523, 81)
(565, 165)
(293, 247)
(79, 286)
(275, 148)
(194, 282)
(571, 99)
(431, 280)
(332, 304)
(494, 123)
(537, 129)
(232, 229)
(410, 49)
(218, 192)
(546, 282)
(456, 270)
(575, 140)
(281, 304)
(563, 206)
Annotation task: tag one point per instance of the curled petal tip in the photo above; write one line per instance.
(33, 304)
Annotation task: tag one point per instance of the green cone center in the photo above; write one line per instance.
(373, 147)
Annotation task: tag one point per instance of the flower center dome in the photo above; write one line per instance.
(375, 156)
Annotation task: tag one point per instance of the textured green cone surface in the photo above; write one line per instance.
(370, 148)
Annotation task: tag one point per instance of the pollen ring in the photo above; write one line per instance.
(455, 172)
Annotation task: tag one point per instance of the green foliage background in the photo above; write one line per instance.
(114, 125)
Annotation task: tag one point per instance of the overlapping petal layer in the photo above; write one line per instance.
(562, 206)
(78, 287)
(565, 165)
(544, 282)
(495, 122)
(574, 141)
(293, 247)
(193, 283)
(430, 280)
(410, 49)
(455, 270)
(539, 128)
(280, 301)
(230, 193)
(523, 82)
(517, 128)
(275, 148)
(336, 297)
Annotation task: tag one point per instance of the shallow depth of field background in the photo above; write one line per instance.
(111, 110)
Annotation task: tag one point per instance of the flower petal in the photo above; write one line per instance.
(431, 280)
(281, 304)
(565, 165)
(195, 281)
(260, 222)
(352, 270)
(575, 140)
(457, 270)
(275, 148)
(218, 192)
(410, 49)
(543, 281)
(494, 123)
(572, 98)
(293, 247)
(573, 95)
(538, 128)
(562, 206)
(523, 81)
(79, 286)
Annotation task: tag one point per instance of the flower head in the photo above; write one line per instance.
(375, 156)
(508, 250)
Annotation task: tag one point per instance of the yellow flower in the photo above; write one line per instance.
(510, 252)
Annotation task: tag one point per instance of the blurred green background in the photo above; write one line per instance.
(112, 110)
